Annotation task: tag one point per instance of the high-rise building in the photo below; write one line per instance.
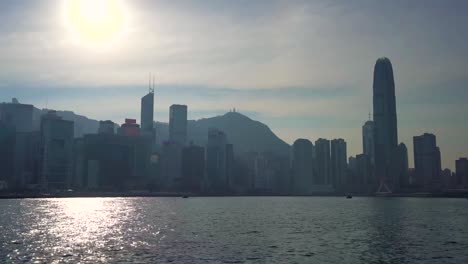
(338, 164)
(302, 167)
(229, 164)
(130, 128)
(385, 125)
(427, 162)
(368, 140)
(193, 168)
(147, 112)
(171, 165)
(363, 181)
(402, 165)
(262, 173)
(216, 176)
(106, 127)
(21, 145)
(111, 162)
(447, 179)
(178, 124)
(56, 151)
(19, 116)
(322, 161)
(461, 172)
(7, 150)
(172, 149)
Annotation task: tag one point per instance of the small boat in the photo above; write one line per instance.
(184, 196)
(349, 196)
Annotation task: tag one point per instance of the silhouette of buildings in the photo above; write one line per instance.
(402, 165)
(171, 165)
(461, 172)
(338, 164)
(427, 162)
(322, 156)
(302, 167)
(359, 175)
(368, 146)
(7, 150)
(172, 149)
(50, 157)
(193, 168)
(19, 116)
(218, 156)
(229, 165)
(178, 124)
(263, 173)
(20, 145)
(448, 179)
(365, 182)
(385, 125)
(106, 127)
(112, 162)
(57, 136)
(147, 112)
(130, 128)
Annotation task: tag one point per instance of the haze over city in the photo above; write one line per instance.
(302, 67)
(222, 131)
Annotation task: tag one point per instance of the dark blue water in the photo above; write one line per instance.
(234, 230)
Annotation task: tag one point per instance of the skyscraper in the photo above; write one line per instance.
(106, 127)
(338, 163)
(20, 116)
(56, 151)
(368, 140)
(216, 161)
(147, 111)
(302, 166)
(461, 172)
(402, 164)
(363, 181)
(193, 168)
(229, 164)
(178, 124)
(322, 158)
(385, 124)
(427, 162)
(17, 120)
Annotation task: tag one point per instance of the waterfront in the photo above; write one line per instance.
(234, 230)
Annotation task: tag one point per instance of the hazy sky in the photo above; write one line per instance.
(302, 67)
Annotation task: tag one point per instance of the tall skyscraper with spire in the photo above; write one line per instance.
(385, 125)
(147, 111)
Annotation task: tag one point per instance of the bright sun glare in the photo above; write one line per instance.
(95, 21)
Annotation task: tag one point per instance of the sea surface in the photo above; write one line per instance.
(234, 230)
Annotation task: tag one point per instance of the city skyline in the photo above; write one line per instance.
(222, 131)
(429, 77)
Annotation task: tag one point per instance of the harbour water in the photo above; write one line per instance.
(234, 230)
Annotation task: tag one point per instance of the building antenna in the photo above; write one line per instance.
(154, 83)
(149, 82)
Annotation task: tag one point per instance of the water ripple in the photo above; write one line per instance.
(234, 230)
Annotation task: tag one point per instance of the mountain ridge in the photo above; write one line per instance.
(243, 132)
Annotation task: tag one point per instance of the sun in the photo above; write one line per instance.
(95, 21)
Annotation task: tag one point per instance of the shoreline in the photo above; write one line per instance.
(459, 194)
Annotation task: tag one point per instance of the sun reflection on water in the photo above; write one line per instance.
(86, 219)
(85, 226)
